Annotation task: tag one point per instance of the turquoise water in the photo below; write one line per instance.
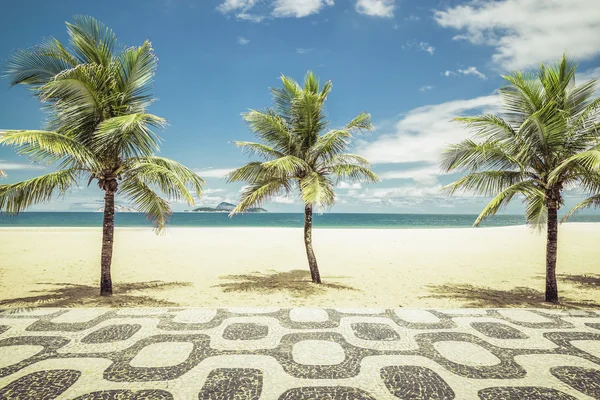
(292, 220)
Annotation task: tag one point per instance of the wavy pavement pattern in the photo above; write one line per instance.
(352, 354)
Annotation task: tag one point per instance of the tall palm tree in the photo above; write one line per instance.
(299, 151)
(97, 94)
(535, 151)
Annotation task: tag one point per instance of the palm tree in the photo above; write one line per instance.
(298, 151)
(536, 151)
(97, 94)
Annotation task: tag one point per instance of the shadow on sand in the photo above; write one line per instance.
(70, 295)
(296, 282)
(590, 281)
(480, 296)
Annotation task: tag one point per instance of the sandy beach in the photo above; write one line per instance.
(208, 267)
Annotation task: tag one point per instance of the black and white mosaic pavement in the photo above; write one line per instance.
(292, 354)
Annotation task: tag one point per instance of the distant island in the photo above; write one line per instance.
(226, 208)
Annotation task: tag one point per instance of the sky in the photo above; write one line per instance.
(413, 65)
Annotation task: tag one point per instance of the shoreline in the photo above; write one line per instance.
(315, 228)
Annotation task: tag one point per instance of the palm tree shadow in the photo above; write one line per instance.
(480, 296)
(72, 295)
(591, 281)
(295, 282)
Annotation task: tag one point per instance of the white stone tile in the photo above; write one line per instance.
(308, 315)
(360, 310)
(462, 311)
(589, 346)
(164, 354)
(318, 352)
(10, 355)
(34, 312)
(195, 316)
(79, 315)
(142, 311)
(466, 353)
(523, 316)
(248, 310)
(416, 316)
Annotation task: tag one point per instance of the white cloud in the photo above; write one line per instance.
(12, 166)
(426, 175)
(300, 50)
(346, 185)
(213, 172)
(283, 200)
(242, 40)
(299, 8)
(472, 71)
(376, 8)
(235, 5)
(422, 46)
(258, 10)
(587, 75)
(212, 191)
(527, 32)
(424, 132)
(466, 71)
(426, 88)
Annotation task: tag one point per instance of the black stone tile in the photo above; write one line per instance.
(232, 384)
(42, 385)
(112, 333)
(374, 331)
(245, 331)
(326, 393)
(411, 382)
(522, 393)
(497, 330)
(127, 395)
(586, 380)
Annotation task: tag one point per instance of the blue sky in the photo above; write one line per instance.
(412, 65)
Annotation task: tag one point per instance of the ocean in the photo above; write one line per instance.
(287, 220)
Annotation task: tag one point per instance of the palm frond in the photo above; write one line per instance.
(255, 194)
(485, 182)
(38, 65)
(185, 175)
(317, 189)
(251, 172)
(146, 200)
(505, 196)
(92, 41)
(47, 147)
(167, 178)
(354, 173)
(129, 135)
(592, 201)
(470, 156)
(16, 197)
(259, 149)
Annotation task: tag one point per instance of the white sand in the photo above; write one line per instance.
(386, 267)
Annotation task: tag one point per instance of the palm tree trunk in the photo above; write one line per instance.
(312, 260)
(551, 251)
(108, 230)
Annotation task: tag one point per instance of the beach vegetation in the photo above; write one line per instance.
(545, 141)
(299, 152)
(96, 93)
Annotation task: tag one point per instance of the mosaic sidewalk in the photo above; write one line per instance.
(251, 354)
